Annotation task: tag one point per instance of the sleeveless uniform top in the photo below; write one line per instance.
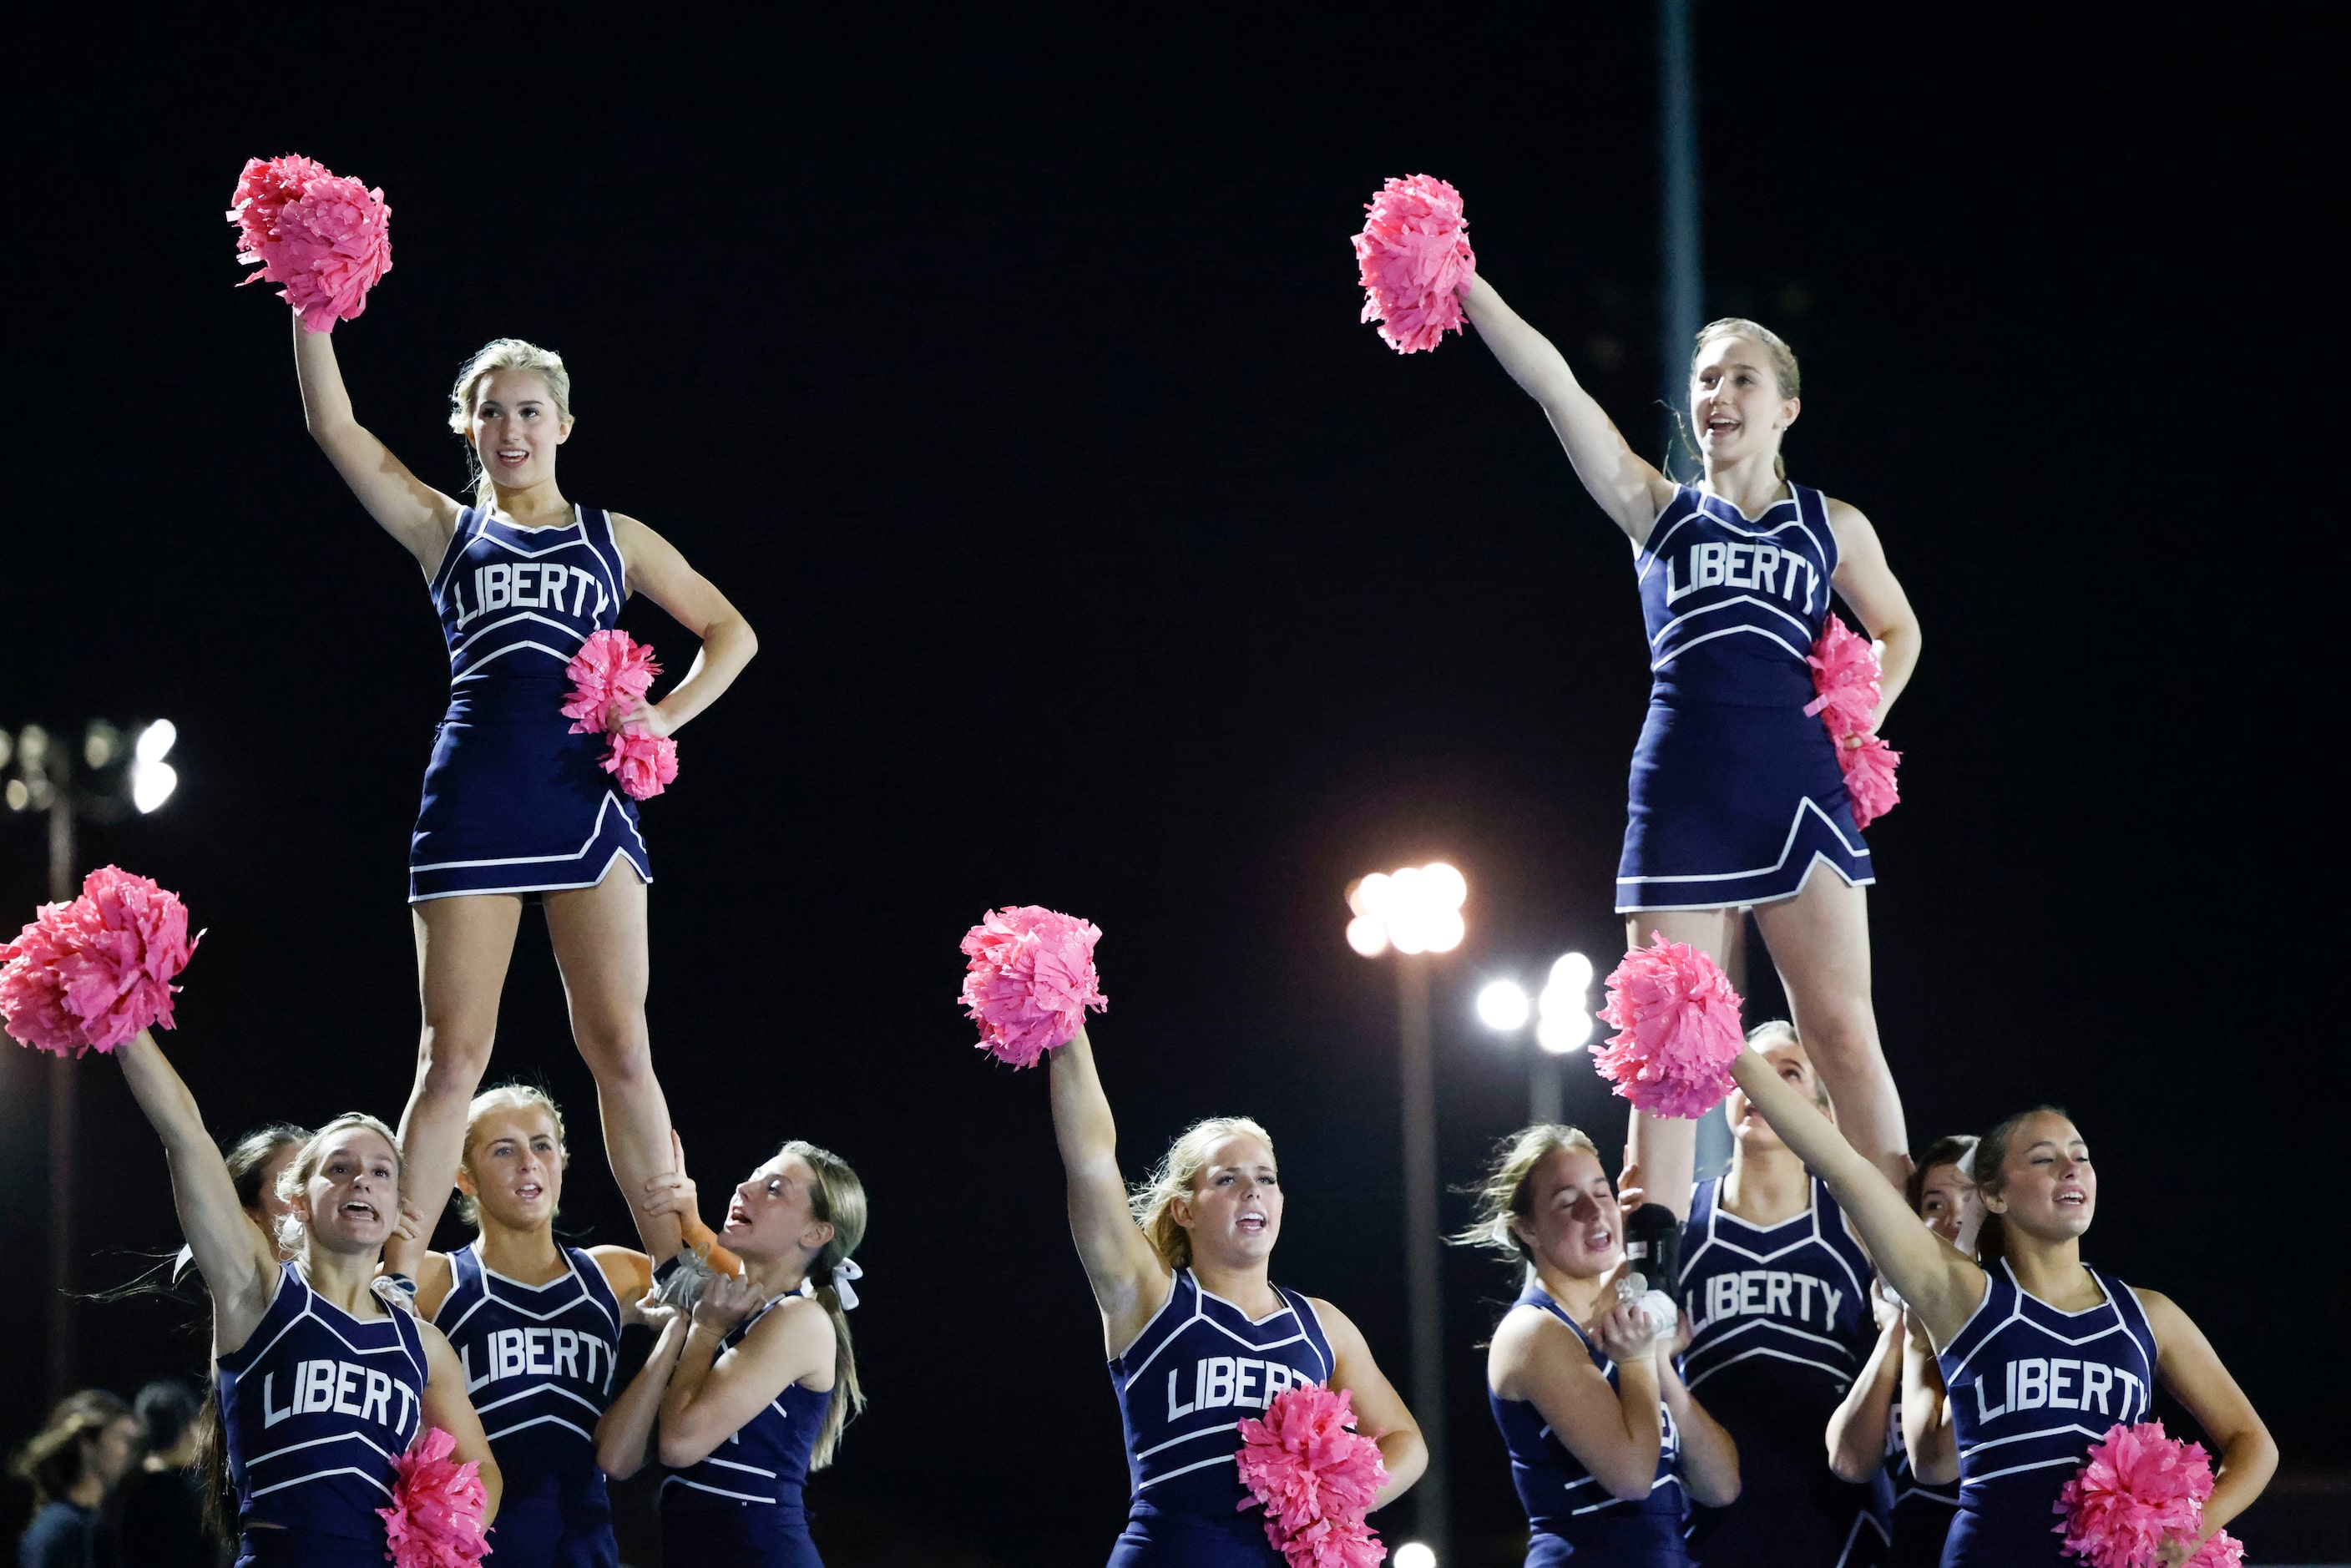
(1564, 1498)
(1733, 606)
(538, 1368)
(1780, 1328)
(762, 1468)
(1199, 1366)
(2031, 1389)
(1922, 1510)
(513, 803)
(316, 1403)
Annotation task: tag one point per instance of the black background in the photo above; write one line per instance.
(1011, 384)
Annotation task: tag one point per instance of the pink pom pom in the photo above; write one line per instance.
(1029, 981)
(2223, 1551)
(435, 1517)
(645, 763)
(325, 236)
(1678, 1020)
(2137, 1488)
(1845, 674)
(1413, 257)
(1315, 1478)
(610, 674)
(90, 974)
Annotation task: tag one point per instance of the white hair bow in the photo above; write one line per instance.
(842, 1273)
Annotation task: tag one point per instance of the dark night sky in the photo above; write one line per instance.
(1012, 386)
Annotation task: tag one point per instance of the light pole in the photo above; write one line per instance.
(1682, 286)
(1417, 911)
(1562, 1015)
(128, 774)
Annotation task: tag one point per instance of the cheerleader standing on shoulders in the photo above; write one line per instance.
(537, 1326)
(1913, 1442)
(1775, 1285)
(751, 1390)
(1179, 1272)
(2041, 1353)
(1737, 796)
(516, 806)
(320, 1381)
(1605, 1440)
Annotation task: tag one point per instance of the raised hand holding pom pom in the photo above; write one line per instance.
(2137, 1489)
(1029, 981)
(435, 1517)
(1412, 258)
(325, 236)
(89, 974)
(1845, 674)
(1678, 1023)
(1316, 1477)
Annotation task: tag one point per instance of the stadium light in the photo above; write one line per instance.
(1415, 1555)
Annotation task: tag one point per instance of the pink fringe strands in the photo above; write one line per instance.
(90, 974)
(2223, 1551)
(2137, 1489)
(1677, 1029)
(1316, 1477)
(1845, 674)
(1412, 257)
(326, 236)
(435, 1517)
(609, 676)
(1029, 981)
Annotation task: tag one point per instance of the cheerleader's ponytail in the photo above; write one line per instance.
(839, 1200)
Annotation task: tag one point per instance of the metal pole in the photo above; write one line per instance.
(1546, 1088)
(62, 1075)
(1680, 290)
(1418, 1075)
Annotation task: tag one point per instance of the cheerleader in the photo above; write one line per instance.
(2042, 1353)
(1197, 1336)
(516, 807)
(537, 1326)
(1775, 1284)
(1605, 1440)
(1912, 1442)
(751, 1390)
(1736, 794)
(320, 1383)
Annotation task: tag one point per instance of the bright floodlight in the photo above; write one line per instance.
(1414, 1554)
(1573, 972)
(151, 783)
(1502, 1005)
(1416, 910)
(1561, 1032)
(1367, 936)
(155, 741)
(1442, 886)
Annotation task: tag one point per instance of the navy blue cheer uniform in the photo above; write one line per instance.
(2031, 1389)
(1780, 1327)
(1736, 793)
(742, 1506)
(316, 1403)
(538, 1368)
(1569, 1514)
(1923, 1510)
(513, 801)
(1197, 1368)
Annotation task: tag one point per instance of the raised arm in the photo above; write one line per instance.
(2189, 1368)
(1869, 585)
(1381, 1413)
(658, 571)
(1857, 1426)
(448, 1406)
(1709, 1458)
(1660, 1166)
(624, 1433)
(1927, 1429)
(239, 1266)
(1628, 489)
(419, 517)
(1129, 1281)
(1942, 1287)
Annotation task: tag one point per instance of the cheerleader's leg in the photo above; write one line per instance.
(1819, 943)
(462, 945)
(599, 935)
